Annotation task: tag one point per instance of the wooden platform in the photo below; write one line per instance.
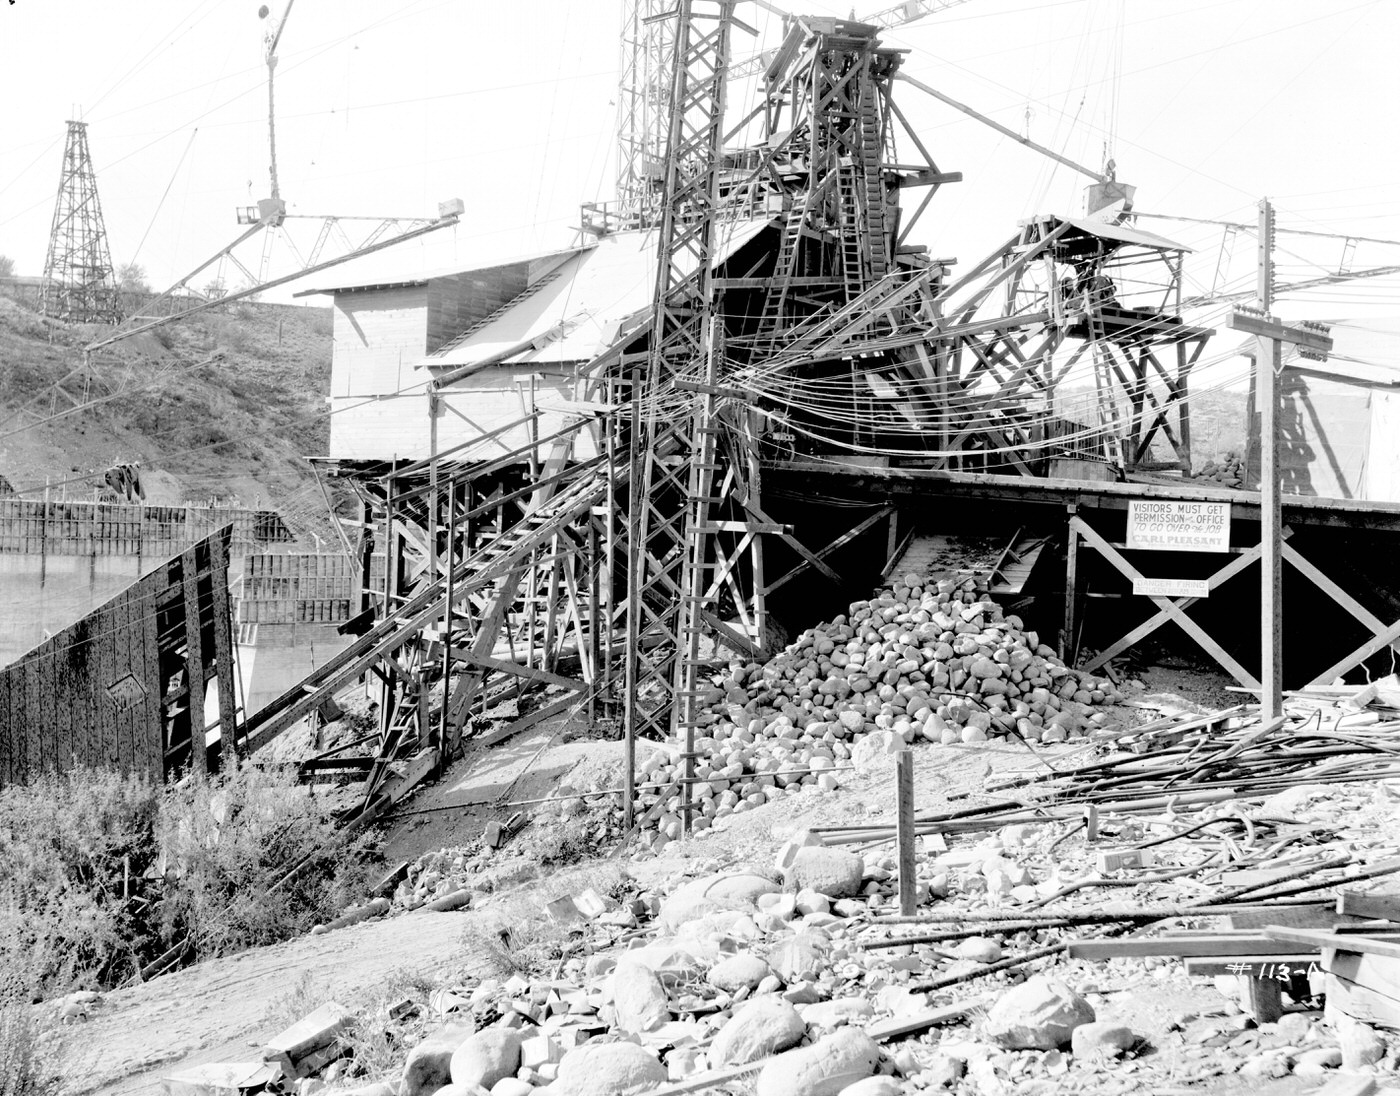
(869, 483)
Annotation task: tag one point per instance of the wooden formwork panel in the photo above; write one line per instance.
(94, 693)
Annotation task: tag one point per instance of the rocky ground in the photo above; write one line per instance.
(747, 945)
(526, 946)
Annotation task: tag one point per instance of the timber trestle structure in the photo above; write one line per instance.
(613, 561)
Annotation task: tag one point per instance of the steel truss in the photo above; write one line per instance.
(80, 285)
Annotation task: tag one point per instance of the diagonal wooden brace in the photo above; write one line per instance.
(1170, 608)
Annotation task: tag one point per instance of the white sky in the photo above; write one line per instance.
(389, 108)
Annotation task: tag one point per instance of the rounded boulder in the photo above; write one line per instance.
(823, 1069)
(835, 873)
(608, 1069)
(760, 1029)
(738, 972)
(1039, 1014)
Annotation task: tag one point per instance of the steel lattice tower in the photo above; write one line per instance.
(79, 284)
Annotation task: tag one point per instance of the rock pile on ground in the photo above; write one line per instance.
(1229, 470)
(929, 660)
(752, 976)
(789, 977)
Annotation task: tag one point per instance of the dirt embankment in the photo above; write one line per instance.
(224, 405)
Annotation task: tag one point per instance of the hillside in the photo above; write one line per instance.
(224, 405)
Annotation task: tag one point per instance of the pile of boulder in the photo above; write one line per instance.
(925, 659)
(1229, 470)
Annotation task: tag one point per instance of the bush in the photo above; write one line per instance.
(228, 846)
(517, 938)
(104, 873)
(27, 1053)
(73, 908)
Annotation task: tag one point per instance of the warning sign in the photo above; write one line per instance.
(1170, 526)
(1171, 587)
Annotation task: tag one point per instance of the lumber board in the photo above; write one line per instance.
(8, 731)
(224, 670)
(57, 739)
(527, 721)
(148, 673)
(1264, 998)
(194, 661)
(505, 666)
(1317, 916)
(1203, 944)
(1355, 942)
(897, 1026)
(121, 724)
(1364, 987)
(1371, 904)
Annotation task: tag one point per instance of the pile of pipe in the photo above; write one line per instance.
(926, 659)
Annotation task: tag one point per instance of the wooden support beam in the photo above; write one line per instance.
(1335, 592)
(814, 558)
(1067, 633)
(1189, 626)
(1196, 944)
(1372, 904)
(224, 662)
(516, 669)
(527, 721)
(1358, 656)
(1357, 942)
(1254, 966)
(195, 673)
(1152, 623)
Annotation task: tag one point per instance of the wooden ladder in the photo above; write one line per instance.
(871, 152)
(852, 264)
(770, 324)
(695, 600)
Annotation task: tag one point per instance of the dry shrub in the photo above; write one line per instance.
(27, 1062)
(305, 997)
(228, 846)
(31, 1051)
(74, 905)
(516, 937)
(105, 872)
(394, 1017)
(391, 1018)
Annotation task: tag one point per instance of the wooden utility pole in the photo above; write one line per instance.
(1267, 363)
(1313, 341)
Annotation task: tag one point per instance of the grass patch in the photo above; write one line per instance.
(398, 1014)
(28, 1052)
(517, 937)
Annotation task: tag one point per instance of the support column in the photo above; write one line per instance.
(1067, 644)
(1312, 341)
(1267, 363)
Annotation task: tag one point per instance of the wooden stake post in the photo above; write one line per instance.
(906, 837)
